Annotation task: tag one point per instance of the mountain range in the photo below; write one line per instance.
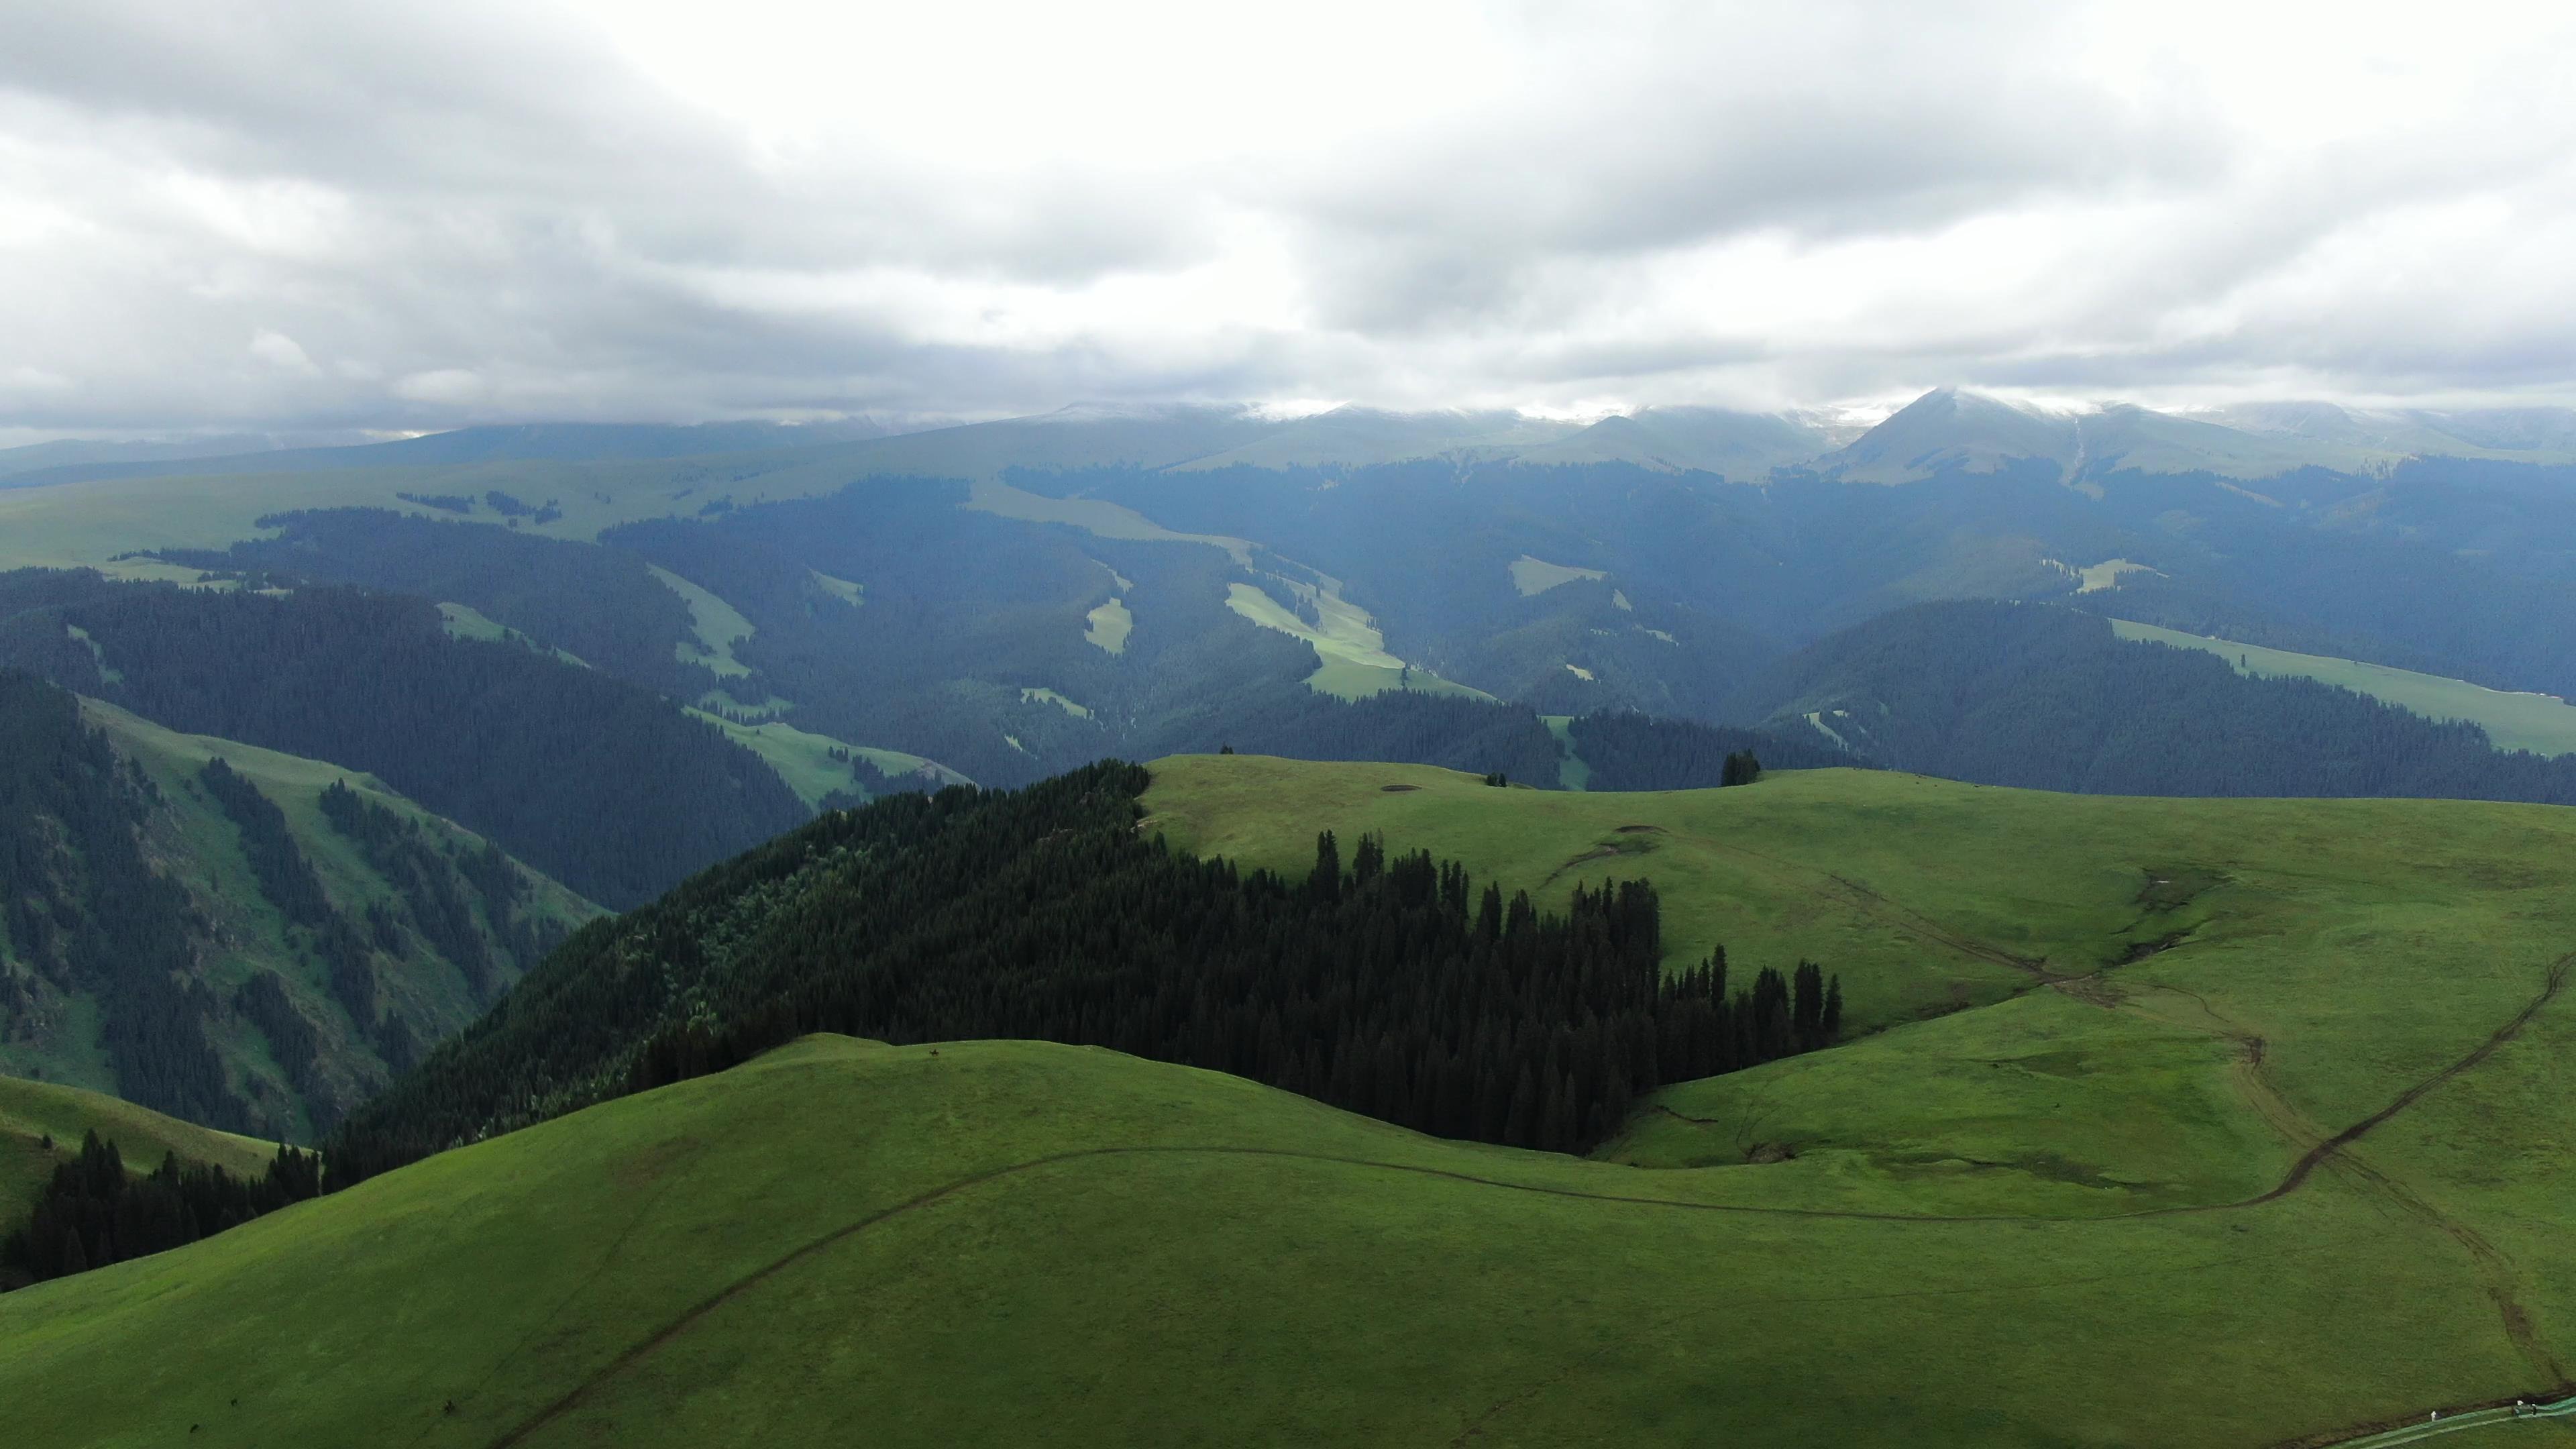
(1947, 428)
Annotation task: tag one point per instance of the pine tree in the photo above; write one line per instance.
(1326, 882)
(1807, 1007)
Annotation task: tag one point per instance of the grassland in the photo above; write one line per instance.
(1572, 771)
(804, 759)
(31, 1112)
(1092, 515)
(1532, 576)
(2540, 723)
(715, 625)
(1039, 695)
(90, 524)
(1109, 625)
(2186, 1123)
(1351, 657)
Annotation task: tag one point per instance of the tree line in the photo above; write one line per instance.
(2048, 697)
(1628, 751)
(93, 1212)
(1392, 985)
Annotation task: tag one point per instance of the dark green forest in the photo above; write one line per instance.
(594, 780)
(2049, 698)
(1389, 984)
(87, 912)
(94, 1211)
(602, 606)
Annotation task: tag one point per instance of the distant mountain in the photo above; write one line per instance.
(2545, 435)
(1742, 447)
(75, 453)
(1357, 436)
(2046, 697)
(1950, 431)
(518, 442)
(2121, 438)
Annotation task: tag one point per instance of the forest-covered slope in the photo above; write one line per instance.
(2052, 698)
(1372, 976)
(601, 783)
(235, 936)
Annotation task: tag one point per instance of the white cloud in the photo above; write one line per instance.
(281, 351)
(650, 208)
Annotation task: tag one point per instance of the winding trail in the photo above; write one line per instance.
(2298, 1175)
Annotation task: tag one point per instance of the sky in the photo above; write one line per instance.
(394, 217)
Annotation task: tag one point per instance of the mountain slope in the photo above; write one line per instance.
(1741, 447)
(596, 781)
(1947, 430)
(216, 942)
(32, 1113)
(1005, 1241)
(2048, 697)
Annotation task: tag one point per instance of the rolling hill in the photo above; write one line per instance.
(32, 1113)
(2185, 1123)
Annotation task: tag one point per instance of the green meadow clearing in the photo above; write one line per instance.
(2163, 1122)
(2540, 723)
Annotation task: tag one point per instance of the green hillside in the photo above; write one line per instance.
(2300, 1172)
(2541, 723)
(446, 943)
(30, 1112)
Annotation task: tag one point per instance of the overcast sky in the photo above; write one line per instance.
(386, 215)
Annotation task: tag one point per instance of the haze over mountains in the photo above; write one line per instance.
(1947, 428)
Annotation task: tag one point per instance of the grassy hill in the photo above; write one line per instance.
(30, 1112)
(2301, 1171)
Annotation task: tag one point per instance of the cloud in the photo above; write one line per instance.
(478, 211)
(281, 351)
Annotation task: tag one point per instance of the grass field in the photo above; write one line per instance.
(2540, 723)
(716, 625)
(1109, 625)
(2303, 1171)
(1572, 772)
(32, 1111)
(804, 759)
(1352, 662)
(1533, 576)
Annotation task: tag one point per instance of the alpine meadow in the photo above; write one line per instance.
(1457, 726)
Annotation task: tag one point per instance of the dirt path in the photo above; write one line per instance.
(2496, 1274)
